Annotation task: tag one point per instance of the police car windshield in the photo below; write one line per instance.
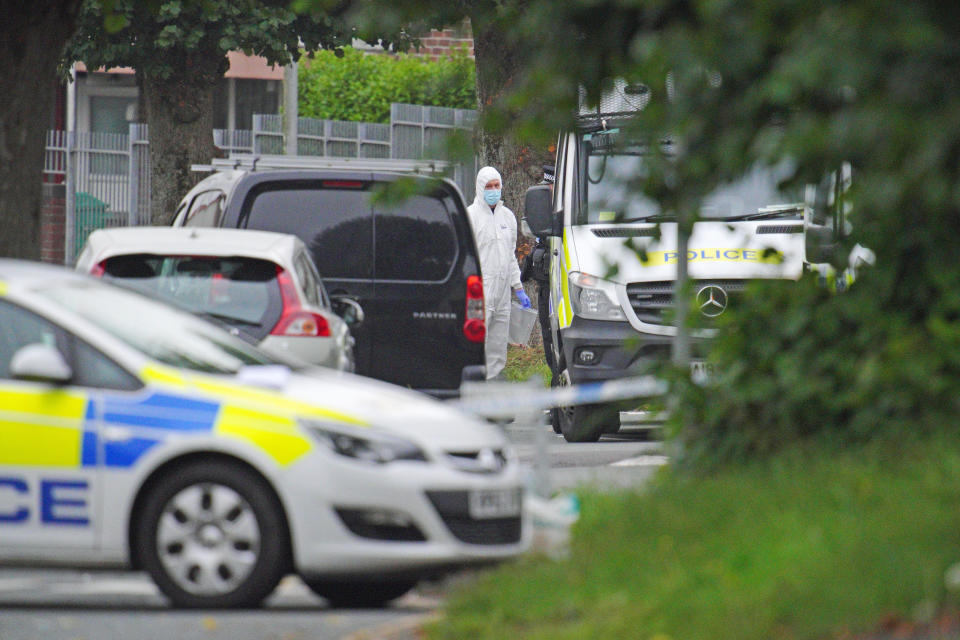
(610, 185)
(160, 332)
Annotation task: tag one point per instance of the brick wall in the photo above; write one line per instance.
(53, 220)
(439, 43)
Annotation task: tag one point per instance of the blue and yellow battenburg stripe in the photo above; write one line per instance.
(59, 428)
(41, 428)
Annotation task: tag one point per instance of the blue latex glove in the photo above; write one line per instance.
(523, 298)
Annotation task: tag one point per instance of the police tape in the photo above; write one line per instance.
(510, 399)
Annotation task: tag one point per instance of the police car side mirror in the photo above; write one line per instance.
(539, 210)
(39, 362)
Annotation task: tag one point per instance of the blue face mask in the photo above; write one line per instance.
(491, 196)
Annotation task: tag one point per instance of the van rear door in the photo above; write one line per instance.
(334, 219)
(419, 276)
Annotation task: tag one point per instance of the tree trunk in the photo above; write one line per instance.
(180, 119)
(34, 34)
(498, 62)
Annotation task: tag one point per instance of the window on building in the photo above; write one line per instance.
(250, 97)
(255, 96)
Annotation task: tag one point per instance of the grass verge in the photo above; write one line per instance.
(807, 545)
(525, 362)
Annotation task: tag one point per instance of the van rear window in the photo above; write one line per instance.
(335, 224)
(415, 240)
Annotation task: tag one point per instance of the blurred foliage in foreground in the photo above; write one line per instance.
(872, 82)
(805, 545)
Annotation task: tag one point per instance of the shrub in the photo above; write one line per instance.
(360, 87)
(796, 362)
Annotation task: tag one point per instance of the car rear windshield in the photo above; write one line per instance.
(242, 292)
(159, 331)
(341, 225)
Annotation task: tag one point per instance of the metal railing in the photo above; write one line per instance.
(107, 180)
(107, 175)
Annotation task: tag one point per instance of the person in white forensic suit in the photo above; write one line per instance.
(495, 231)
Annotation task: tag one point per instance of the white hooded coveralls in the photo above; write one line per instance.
(495, 231)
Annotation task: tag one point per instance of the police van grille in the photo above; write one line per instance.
(626, 232)
(780, 228)
(652, 301)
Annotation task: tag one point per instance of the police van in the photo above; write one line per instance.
(614, 254)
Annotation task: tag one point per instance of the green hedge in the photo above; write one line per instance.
(797, 362)
(360, 87)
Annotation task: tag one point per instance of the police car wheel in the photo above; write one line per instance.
(350, 594)
(213, 535)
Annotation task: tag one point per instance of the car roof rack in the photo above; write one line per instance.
(258, 162)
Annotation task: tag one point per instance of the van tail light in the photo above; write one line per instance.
(474, 327)
(98, 269)
(294, 320)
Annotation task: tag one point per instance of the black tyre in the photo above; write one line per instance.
(555, 420)
(576, 423)
(348, 594)
(557, 379)
(213, 535)
(580, 423)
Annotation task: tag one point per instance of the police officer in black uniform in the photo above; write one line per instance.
(536, 265)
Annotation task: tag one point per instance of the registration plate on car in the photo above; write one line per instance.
(701, 372)
(494, 503)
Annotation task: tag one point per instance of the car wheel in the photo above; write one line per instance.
(558, 379)
(359, 594)
(212, 535)
(579, 423)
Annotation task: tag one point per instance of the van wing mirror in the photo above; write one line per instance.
(40, 362)
(539, 210)
(824, 218)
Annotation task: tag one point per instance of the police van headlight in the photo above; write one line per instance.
(363, 444)
(594, 298)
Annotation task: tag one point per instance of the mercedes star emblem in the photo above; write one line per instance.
(712, 300)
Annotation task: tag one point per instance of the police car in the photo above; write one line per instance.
(135, 435)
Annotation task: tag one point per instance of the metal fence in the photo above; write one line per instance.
(422, 132)
(107, 175)
(107, 180)
(329, 138)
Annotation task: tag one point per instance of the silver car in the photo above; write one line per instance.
(262, 285)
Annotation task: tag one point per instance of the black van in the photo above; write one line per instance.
(413, 266)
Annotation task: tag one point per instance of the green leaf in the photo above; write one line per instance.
(114, 22)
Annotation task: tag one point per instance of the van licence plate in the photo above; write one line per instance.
(494, 503)
(701, 372)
